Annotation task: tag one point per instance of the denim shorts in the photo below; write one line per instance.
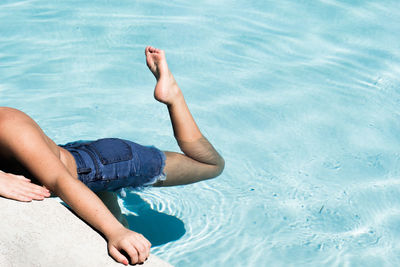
(111, 164)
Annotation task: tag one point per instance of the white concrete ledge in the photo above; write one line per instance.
(45, 233)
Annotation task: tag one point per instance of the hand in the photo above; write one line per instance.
(18, 187)
(134, 244)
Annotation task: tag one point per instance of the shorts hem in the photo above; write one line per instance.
(162, 176)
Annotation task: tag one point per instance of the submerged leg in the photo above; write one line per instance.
(200, 160)
(110, 199)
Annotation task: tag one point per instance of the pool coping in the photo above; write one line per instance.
(46, 233)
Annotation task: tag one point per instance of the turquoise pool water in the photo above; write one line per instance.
(301, 97)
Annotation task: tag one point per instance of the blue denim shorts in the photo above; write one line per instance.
(111, 164)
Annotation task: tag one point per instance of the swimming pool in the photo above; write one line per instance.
(301, 98)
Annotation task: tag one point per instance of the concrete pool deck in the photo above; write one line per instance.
(45, 233)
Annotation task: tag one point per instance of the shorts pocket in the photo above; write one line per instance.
(111, 150)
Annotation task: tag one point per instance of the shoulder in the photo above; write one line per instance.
(10, 117)
(11, 113)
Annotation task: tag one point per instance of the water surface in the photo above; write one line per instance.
(300, 97)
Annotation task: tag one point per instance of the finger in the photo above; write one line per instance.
(46, 189)
(23, 199)
(33, 190)
(32, 196)
(22, 178)
(17, 194)
(117, 255)
(37, 197)
(145, 242)
(143, 252)
(132, 252)
(39, 190)
(148, 244)
(19, 197)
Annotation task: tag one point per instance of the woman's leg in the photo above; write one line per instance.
(200, 160)
(110, 199)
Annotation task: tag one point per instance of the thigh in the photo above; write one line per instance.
(182, 170)
(110, 164)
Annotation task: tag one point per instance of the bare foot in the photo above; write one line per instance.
(167, 90)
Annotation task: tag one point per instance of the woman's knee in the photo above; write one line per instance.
(181, 169)
(219, 168)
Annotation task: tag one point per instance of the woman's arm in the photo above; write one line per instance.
(87, 205)
(23, 140)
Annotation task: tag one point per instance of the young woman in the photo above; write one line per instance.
(76, 170)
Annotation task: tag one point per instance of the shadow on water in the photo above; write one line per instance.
(157, 227)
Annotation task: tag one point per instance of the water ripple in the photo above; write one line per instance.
(300, 98)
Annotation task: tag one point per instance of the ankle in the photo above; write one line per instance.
(177, 101)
